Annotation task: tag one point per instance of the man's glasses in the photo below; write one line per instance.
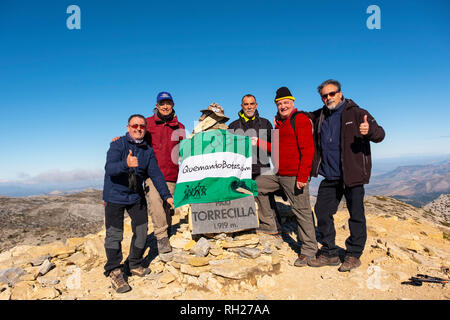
(140, 126)
(331, 94)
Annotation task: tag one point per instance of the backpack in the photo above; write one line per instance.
(294, 115)
(316, 150)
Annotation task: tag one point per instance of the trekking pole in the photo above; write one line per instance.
(420, 278)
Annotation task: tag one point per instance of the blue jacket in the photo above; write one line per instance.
(330, 140)
(116, 186)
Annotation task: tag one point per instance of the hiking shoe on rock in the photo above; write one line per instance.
(349, 264)
(140, 271)
(164, 245)
(322, 260)
(302, 260)
(118, 282)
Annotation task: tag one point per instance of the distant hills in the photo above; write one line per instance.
(413, 184)
(416, 185)
(16, 189)
(400, 178)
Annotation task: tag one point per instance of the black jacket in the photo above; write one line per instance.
(355, 148)
(259, 127)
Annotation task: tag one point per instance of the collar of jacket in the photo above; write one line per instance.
(339, 109)
(349, 103)
(131, 140)
(243, 116)
(280, 121)
(173, 121)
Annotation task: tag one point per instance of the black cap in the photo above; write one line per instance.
(283, 93)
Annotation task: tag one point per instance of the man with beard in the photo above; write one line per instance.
(342, 132)
(259, 129)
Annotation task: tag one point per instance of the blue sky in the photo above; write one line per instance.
(64, 94)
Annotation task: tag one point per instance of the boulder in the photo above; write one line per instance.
(201, 248)
(251, 253)
(40, 260)
(75, 243)
(178, 241)
(11, 276)
(189, 245)
(166, 278)
(45, 293)
(238, 243)
(22, 291)
(194, 271)
(198, 261)
(45, 267)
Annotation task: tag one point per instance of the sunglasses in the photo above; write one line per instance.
(140, 126)
(331, 94)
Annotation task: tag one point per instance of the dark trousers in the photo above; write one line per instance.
(329, 195)
(114, 216)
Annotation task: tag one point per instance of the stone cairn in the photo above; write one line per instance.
(213, 117)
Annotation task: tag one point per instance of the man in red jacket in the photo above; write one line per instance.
(293, 154)
(164, 132)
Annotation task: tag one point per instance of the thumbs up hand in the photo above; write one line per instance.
(364, 127)
(132, 162)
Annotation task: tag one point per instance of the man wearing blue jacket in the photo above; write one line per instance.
(129, 161)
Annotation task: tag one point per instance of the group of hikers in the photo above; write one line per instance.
(333, 141)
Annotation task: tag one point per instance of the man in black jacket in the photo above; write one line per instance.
(342, 133)
(259, 129)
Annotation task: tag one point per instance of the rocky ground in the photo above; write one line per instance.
(402, 242)
(440, 207)
(43, 219)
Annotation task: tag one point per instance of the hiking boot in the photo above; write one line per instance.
(164, 245)
(322, 260)
(140, 271)
(302, 260)
(118, 282)
(349, 264)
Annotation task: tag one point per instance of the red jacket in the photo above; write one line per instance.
(164, 137)
(295, 154)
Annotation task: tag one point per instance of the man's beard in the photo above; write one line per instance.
(332, 106)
